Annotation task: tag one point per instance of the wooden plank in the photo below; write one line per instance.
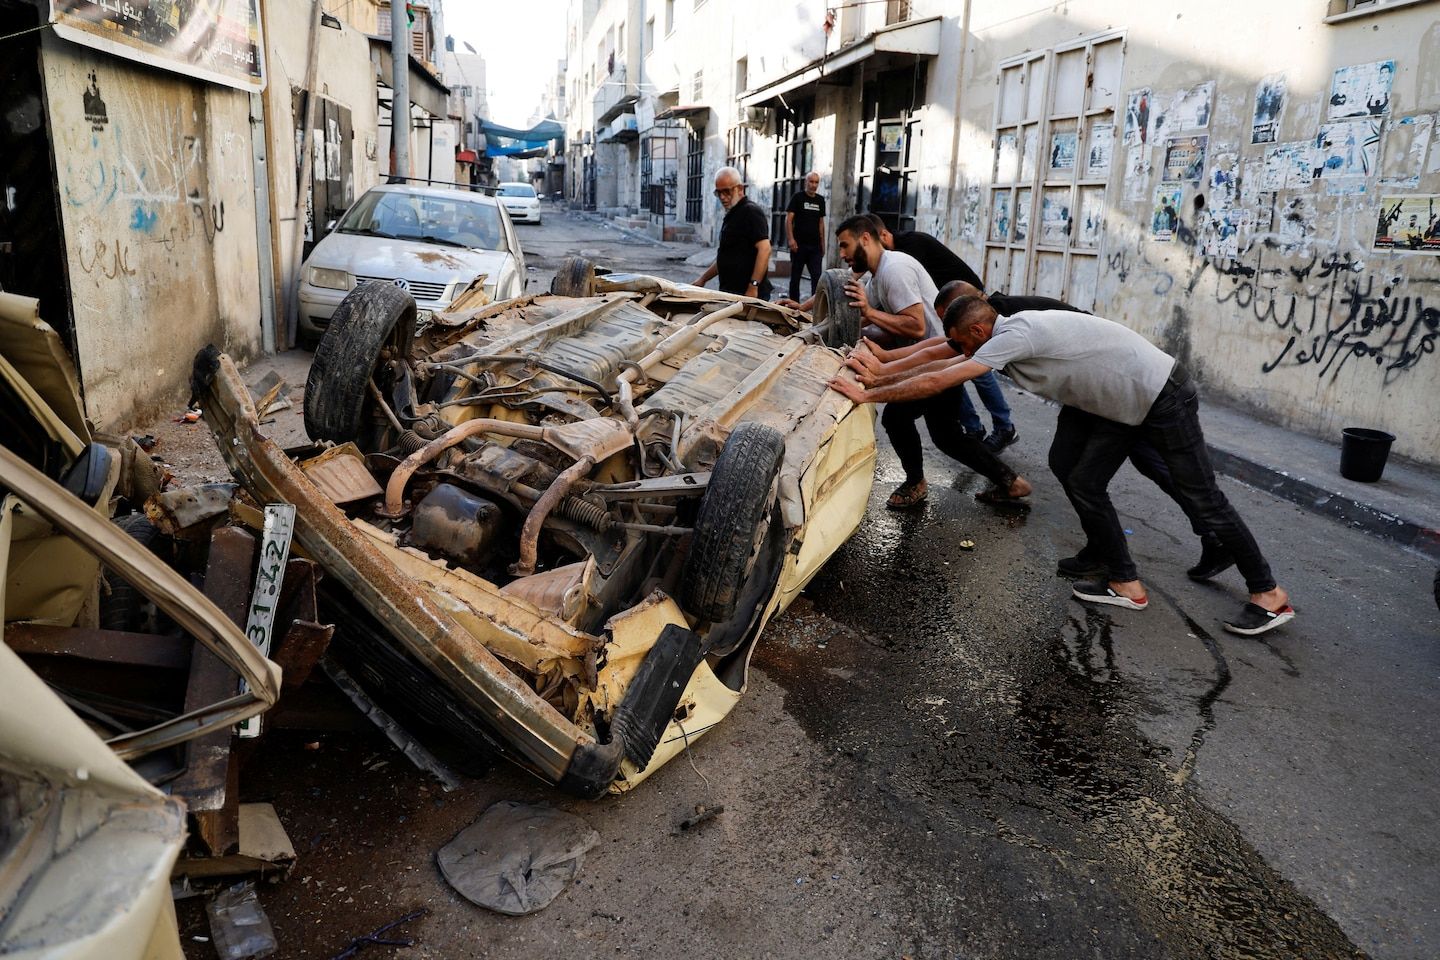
(208, 784)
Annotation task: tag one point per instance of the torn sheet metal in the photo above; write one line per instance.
(89, 877)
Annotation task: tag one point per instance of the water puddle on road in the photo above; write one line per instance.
(972, 720)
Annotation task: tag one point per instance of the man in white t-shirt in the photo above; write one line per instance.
(900, 300)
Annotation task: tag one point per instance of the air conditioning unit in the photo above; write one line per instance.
(757, 117)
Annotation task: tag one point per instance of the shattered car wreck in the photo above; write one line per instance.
(554, 527)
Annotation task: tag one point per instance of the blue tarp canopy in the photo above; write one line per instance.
(509, 142)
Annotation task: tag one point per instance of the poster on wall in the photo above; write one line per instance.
(970, 225)
(1022, 215)
(1288, 166)
(1362, 90)
(1092, 217)
(1270, 95)
(1102, 148)
(1348, 148)
(1137, 173)
(1054, 217)
(1165, 213)
(1184, 159)
(1223, 180)
(1187, 110)
(1220, 233)
(1406, 142)
(1409, 224)
(1000, 216)
(1007, 158)
(214, 40)
(1063, 147)
(1029, 147)
(1137, 117)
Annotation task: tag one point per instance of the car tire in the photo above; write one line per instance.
(732, 522)
(337, 397)
(122, 606)
(831, 304)
(575, 278)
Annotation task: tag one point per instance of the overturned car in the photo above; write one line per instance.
(555, 526)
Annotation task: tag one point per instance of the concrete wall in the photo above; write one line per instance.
(1302, 321)
(155, 178)
(346, 76)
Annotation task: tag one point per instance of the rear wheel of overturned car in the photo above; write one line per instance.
(373, 317)
(575, 278)
(733, 521)
(832, 305)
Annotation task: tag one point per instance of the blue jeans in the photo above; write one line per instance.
(988, 387)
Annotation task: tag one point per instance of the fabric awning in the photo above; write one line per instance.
(918, 38)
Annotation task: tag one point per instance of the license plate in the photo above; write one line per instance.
(423, 317)
(274, 553)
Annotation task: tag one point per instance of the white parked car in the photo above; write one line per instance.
(429, 241)
(520, 201)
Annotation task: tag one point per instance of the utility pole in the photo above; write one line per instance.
(399, 89)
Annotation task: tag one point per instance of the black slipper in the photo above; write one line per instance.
(1255, 619)
(997, 497)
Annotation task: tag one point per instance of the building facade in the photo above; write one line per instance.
(1256, 188)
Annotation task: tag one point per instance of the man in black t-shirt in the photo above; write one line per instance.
(742, 260)
(805, 232)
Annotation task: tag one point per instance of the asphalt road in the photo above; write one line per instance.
(942, 755)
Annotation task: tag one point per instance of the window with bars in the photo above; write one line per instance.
(697, 86)
(738, 143)
(897, 11)
(1054, 150)
(794, 157)
(694, 174)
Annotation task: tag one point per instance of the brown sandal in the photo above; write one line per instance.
(907, 496)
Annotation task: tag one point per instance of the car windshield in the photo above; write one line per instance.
(516, 190)
(449, 221)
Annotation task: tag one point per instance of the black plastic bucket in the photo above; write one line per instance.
(1363, 453)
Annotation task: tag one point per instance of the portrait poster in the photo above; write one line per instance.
(1137, 173)
(1406, 142)
(892, 137)
(1362, 90)
(1270, 95)
(1409, 224)
(1063, 147)
(1184, 159)
(1165, 213)
(1101, 150)
(1348, 148)
(1000, 216)
(1137, 117)
(970, 226)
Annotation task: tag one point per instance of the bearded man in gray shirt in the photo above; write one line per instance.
(900, 299)
(1129, 388)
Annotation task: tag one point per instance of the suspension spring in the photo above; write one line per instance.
(410, 442)
(592, 515)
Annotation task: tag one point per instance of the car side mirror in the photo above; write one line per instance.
(331, 225)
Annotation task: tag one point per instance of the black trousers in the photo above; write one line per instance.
(809, 257)
(942, 418)
(1088, 450)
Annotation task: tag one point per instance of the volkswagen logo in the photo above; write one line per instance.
(403, 284)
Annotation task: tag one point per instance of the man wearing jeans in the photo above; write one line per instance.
(1120, 386)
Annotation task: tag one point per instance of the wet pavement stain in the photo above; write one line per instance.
(990, 716)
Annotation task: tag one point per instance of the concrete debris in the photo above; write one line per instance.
(239, 925)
